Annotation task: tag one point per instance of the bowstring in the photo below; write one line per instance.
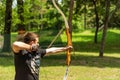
(56, 37)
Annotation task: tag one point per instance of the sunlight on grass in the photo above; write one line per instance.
(115, 31)
(87, 32)
(93, 73)
(7, 73)
(78, 37)
(48, 72)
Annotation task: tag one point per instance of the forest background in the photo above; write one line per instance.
(94, 26)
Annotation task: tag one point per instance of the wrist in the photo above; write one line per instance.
(66, 47)
(34, 47)
(30, 48)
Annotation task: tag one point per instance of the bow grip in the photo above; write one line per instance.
(69, 43)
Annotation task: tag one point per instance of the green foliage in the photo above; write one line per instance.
(41, 14)
(15, 19)
(2, 13)
(115, 22)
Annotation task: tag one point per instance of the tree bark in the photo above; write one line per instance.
(7, 28)
(96, 20)
(105, 28)
(85, 12)
(70, 15)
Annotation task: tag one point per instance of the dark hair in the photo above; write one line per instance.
(29, 36)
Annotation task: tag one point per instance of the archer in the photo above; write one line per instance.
(27, 55)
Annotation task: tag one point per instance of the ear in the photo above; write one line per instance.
(31, 42)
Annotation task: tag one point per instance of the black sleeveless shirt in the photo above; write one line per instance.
(27, 64)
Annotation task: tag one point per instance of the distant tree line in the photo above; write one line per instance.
(17, 15)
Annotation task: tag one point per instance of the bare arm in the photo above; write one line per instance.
(57, 49)
(17, 46)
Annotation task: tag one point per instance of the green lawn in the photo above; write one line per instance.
(85, 65)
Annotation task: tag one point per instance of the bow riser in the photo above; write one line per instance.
(69, 43)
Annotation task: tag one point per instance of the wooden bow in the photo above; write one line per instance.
(69, 41)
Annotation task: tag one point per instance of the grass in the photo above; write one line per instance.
(6, 68)
(85, 65)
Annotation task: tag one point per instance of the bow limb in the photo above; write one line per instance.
(69, 41)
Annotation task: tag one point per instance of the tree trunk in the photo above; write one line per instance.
(70, 15)
(96, 20)
(85, 11)
(105, 28)
(8, 19)
(20, 11)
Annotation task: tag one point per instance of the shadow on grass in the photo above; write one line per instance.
(82, 60)
(77, 60)
(92, 47)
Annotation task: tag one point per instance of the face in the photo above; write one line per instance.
(35, 42)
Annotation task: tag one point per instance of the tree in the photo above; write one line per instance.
(70, 15)
(85, 12)
(2, 13)
(105, 28)
(112, 15)
(20, 11)
(96, 20)
(7, 28)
